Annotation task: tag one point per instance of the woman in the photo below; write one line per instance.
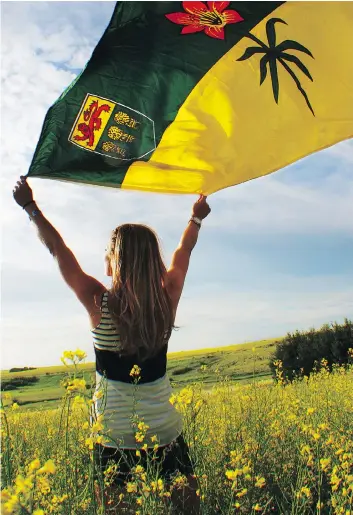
(131, 323)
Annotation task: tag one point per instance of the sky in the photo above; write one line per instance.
(274, 255)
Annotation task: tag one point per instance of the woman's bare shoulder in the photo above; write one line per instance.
(95, 308)
(97, 297)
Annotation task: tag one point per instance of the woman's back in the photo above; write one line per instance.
(118, 366)
(127, 385)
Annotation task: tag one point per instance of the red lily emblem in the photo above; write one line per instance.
(211, 18)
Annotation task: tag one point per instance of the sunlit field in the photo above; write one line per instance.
(257, 447)
(235, 361)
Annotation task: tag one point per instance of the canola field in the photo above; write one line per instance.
(260, 447)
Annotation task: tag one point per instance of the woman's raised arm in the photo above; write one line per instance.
(84, 286)
(181, 258)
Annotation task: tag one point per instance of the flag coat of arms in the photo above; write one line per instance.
(193, 97)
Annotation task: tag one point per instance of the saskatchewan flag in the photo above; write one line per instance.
(193, 97)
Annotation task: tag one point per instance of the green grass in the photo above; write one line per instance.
(239, 362)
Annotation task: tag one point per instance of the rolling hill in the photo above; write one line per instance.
(238, 362)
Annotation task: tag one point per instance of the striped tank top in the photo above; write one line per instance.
(121, 398)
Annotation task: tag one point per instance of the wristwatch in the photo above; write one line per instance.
(196, 220)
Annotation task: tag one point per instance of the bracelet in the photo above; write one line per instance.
(27, 203)
(196, 221)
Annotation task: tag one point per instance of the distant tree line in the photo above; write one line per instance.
(301, 352)
(21, 369)
(17, 382)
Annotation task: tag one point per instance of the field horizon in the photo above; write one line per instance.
(240, 362)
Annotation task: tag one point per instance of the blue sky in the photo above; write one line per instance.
(274, 255)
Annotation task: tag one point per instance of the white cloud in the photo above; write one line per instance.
(276, 207)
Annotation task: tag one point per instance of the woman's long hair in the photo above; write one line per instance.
(138, 301)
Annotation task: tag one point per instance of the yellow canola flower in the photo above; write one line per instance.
(157, 485)
(68, 354)
(135, 371)
(38, 512)
(34, 465)
(11, 505)
(139, 437)
(48, 468)
(305, 450)
(142, 426)
(325, 463)
(43, 485)
(146, 489)
(233, 474)
(306, 491)
(243, 492)
(5, 495)
(185, 396)
(260, 482)
(180, 481)
(89, 442)
(97, 426)
(257, 507)
(15, 406)
(74, 356)
(23, 485)
(80, 354)
(76, 385)
(131, 488)
(173, 399)
(78, 401)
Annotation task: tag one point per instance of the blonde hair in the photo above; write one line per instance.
(138, 301)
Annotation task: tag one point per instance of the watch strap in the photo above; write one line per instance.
(196, 220)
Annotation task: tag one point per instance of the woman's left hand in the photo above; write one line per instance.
(22, 193)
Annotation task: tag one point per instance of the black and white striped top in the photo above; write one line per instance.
(117, 366)
(152, 404)
(106, 335)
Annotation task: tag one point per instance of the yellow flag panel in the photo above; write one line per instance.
(231, 128)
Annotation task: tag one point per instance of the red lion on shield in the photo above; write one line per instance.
(91, 115)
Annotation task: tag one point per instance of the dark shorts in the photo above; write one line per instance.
(172, 458)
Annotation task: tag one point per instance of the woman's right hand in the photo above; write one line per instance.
(201, 209)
